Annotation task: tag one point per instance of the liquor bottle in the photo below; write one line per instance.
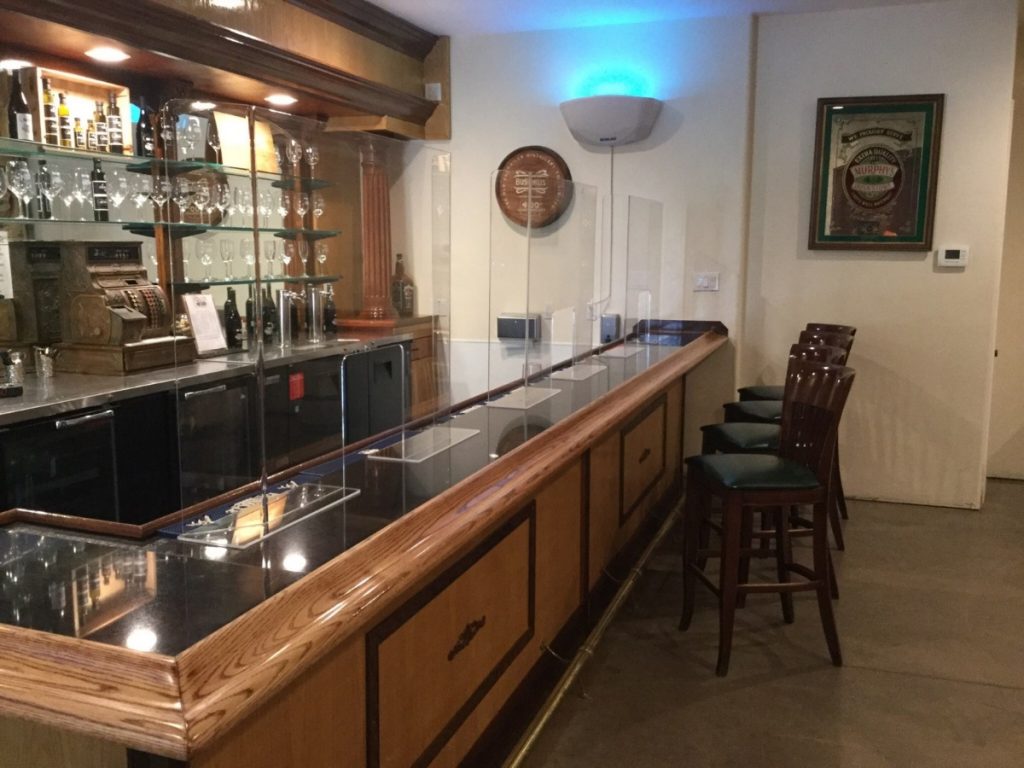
(67, 138)
(91, 140)
(269, 314)
(408, 299)
(398, 284)
(232, 321)
(250, 318)
(330, 311)
(79, 131)
(102, 135)
(115, 128)
(51, 134)
(145, 143)
(42, 202)
(100, 205)
(19, 117)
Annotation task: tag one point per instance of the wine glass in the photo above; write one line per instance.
(51, 187)
(282, 206)
(318, 206)
(265, 202)
(248, 254)
(67, 196)
(191, 136)
(117, 190)
(222, 201)
(312, 158)
(227, 256)
(168, 132)
(160, 193)
(181, 195)
(288, 254)
(293, 150)
(205, 258)
(82, 189)
(213, 139)
(142, 188)
(243, 203)
(269, 254)
(302, 204)
(185, 249)
(321, 254)
(202, 199)
(19, 179)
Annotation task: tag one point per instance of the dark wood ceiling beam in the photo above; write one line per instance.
(174, 33)
(374, 23)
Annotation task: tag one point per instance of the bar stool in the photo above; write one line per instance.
(774, 391)
(799, 474)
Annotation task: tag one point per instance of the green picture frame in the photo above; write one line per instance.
(876, 163)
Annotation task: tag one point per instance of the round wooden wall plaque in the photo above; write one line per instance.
(531, 187)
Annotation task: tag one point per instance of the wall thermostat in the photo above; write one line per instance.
(951, 257)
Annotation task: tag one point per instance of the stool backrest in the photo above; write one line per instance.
(815, 396)
(823, 338)
(818, 353)
(847, 330)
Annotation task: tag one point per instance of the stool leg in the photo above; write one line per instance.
(821, 568)
(783, 556)
(837, 525)
(838, 480)
(731, 513)
(746, 540)
(692, 515)
(833, 583)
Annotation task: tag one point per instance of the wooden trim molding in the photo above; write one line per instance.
(167, 30)
(174, 707)
(374, 23)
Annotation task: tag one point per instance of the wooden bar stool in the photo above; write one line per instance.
(774, 391)
(800, 474)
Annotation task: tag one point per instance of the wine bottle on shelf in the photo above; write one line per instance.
(79, 131)
(232, 321)
(100, 204)
(102, 134)
(42, 202)
(145, 142)
(250, 318)
(330, 311)
(397, 283)
(67, 137)
(269, 314)
(19, 117)
(115, 127)
(51, 133)
(91, 139)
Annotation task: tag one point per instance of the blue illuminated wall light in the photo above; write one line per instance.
(611, 81)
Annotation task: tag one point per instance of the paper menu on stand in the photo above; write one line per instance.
(206, 327)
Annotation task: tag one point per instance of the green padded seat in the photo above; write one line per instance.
(754, 472)
(762, 392)
(742, 437)
(764, 411)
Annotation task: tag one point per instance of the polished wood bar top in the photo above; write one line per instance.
(174, 705)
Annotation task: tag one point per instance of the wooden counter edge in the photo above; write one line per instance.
(176, 706)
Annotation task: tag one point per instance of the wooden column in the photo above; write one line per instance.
(376, 235)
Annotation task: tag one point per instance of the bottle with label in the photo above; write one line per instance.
(67, 137)
(398, 281)
(232, 321)
(91, 141)
(115, 128)
(100, 204)
(102, 135)
(19, 117)
(43, 182)
(330, 311)
(79, 130)
(51, 134)
(269, 316)
(145, 143)
(250, 318)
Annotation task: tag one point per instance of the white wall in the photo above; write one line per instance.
(917, 425)
(506, 91)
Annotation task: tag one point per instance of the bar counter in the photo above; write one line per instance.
(307, 649)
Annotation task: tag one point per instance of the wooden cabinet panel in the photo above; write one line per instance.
(605, 513)
(32, 745)
(643, 455)
(436, 657)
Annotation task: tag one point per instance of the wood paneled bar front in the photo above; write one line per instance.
(403, 650)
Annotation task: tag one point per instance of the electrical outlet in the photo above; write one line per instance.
(705, 281)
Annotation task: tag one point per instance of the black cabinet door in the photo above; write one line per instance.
(315, 399)
(65, 465)
(376, 391)
(277, 409)
(215, 438)
(147, 457)
(356, 379)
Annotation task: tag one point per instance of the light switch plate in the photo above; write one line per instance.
(705, 281)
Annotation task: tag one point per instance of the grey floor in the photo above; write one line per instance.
(931, 618)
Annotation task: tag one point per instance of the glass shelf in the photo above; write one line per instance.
(198, 285)
(304, 183)
(306, 234)
(30, 149)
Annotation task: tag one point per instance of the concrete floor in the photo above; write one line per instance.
(931, 619)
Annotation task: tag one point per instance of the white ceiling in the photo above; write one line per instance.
(474, 17)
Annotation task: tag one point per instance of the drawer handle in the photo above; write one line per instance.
(468, 633)
(203, 392)
(67, 423)
(644, 455)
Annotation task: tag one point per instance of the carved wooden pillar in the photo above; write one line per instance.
(376, 234)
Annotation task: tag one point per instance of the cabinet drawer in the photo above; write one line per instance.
(643, 455)
(421, 347)
(431, 662)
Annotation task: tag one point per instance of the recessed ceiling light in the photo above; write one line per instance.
(228, 5)
(203, 106)
(12, 64)
(281, 99)
(107, 54)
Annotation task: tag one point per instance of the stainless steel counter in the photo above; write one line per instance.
(67, 392)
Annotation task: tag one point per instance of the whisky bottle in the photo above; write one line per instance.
(79, 130)
(19, 117)
(67, 138)
(145, 143)
(115, 128)
(250, 318)
(232, 321)
(51, 134)
(100, 204)
(102, 135)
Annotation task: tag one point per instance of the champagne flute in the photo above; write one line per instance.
(248, 254)
(321, 254)
(288, 254)
(304, 256)
(265, 202)
(312, 158)
(181, 196)
(269, 254)
(206, 259)
(227, 256)
(318, 206)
